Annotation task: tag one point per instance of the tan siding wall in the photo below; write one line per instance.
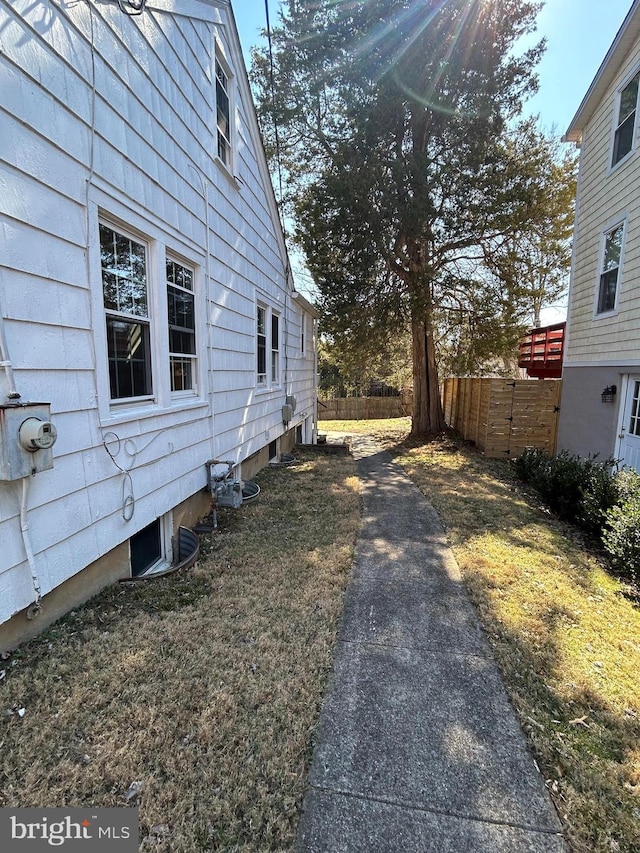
(605, 197)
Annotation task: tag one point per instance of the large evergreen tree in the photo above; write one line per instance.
(391, 117)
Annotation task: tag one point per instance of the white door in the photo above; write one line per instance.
(628, 447)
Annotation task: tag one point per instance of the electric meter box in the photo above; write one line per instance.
(27, 437)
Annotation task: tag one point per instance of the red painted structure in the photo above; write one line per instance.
(541, 352)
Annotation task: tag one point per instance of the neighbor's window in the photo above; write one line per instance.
(623, 141)
(123, 262)
(262, 345)
(275, 348)
(610, 273)
(223, 109)
(182, 327)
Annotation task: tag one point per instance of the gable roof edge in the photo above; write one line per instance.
(626, 36)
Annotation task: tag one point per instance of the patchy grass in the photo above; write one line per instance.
(565, 633)
(203, 686)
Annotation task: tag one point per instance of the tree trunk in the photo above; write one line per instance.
(428, 417)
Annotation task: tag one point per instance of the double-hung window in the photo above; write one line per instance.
(223, 113)
(267, 341)
(262, 345)
(610, 269)
(123, 262)
(624, 136)
(182, 326)
(275, 349)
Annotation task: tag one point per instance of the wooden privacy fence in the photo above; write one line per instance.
(364, 408)
(503, 416)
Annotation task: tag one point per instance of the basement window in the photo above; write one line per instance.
(146, 549)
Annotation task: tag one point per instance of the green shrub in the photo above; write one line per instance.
(593, 495)
(577, 489)
(621, 533)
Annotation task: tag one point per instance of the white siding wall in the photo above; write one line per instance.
(606, 196)
(104, 113)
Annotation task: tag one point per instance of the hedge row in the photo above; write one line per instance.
(592, 494)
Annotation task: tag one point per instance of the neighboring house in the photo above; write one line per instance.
(600, 408)
(146, 297)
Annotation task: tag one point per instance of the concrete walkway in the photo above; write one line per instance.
(418, 747)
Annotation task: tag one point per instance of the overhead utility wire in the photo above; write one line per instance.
(273, 99)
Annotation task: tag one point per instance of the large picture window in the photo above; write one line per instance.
(624, 137)
(610, 271)
(182, 326)
(123, 262)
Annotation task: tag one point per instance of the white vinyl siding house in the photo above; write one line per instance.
(140, 231)
(603, 341)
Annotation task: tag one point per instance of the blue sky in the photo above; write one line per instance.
(578, 33)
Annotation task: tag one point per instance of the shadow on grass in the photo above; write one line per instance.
(582, 721)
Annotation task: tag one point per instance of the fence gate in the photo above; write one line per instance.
(503, 416)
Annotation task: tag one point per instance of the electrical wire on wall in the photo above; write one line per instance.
(113, 444)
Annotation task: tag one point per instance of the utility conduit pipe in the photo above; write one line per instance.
(35, 607)
(5, 362)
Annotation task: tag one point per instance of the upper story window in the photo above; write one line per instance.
(182, 326)
(123, 262)
(610, 269)
(624, 137)
(223, 112)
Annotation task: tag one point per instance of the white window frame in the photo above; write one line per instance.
(262, 347)
(606, 231)
(268, 353)
(146, 321)
(227, 84)
(192, 358)
(107, 211)
(275, 347)
(618, 124)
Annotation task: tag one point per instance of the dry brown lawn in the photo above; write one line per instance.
(203, 687)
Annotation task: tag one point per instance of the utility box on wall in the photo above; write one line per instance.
(27, 437)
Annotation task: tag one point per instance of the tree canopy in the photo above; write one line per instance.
(400, 167)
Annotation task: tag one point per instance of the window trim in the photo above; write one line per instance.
(617, 124)
(604, 234)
